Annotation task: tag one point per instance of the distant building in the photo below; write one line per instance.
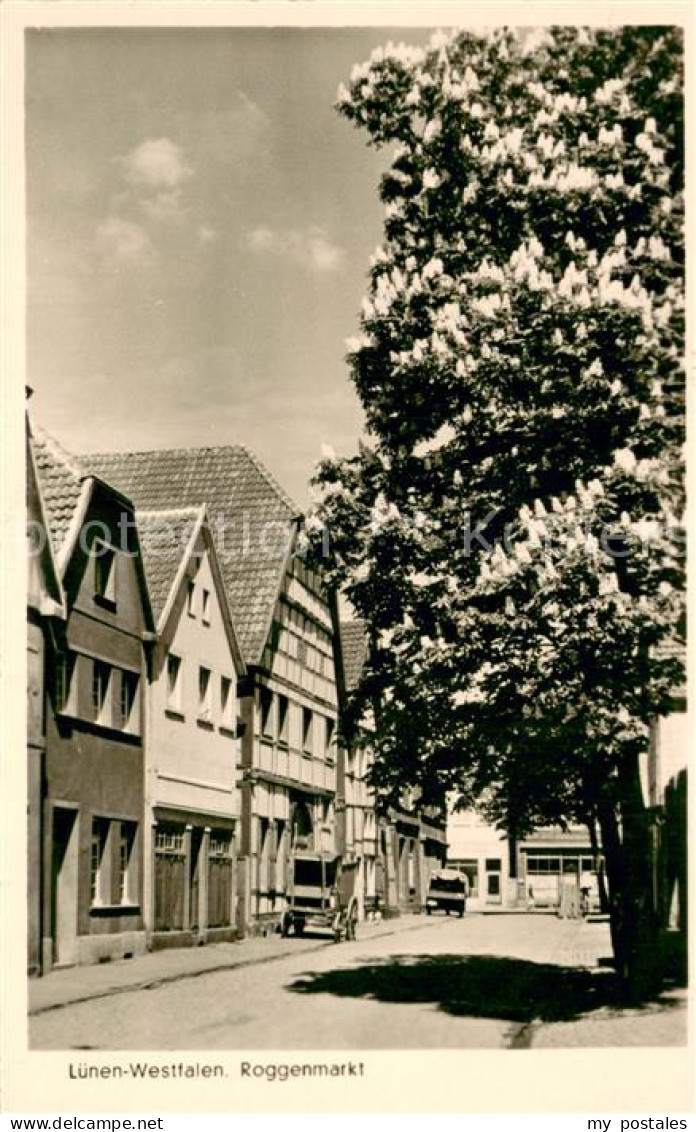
(357, 826)
(282, 619)
(482, 853)
(409, 840)
(192, 797)
(92, 847)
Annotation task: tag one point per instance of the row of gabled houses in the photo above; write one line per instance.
(186, 674)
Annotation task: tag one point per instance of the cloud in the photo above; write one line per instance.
(150, 194)
(154, 175)
(156, 164)
(122, 242)
(311, 248)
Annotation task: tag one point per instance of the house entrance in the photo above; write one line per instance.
(195, 876)
(64, 886)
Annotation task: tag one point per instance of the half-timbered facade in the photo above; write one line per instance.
(289, 749)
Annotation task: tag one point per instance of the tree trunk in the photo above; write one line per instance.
(627, 846)
(599, 865)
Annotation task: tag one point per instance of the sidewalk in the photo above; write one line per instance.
(583, 944)
(69, 985)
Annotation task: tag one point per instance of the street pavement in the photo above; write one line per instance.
(484, 982)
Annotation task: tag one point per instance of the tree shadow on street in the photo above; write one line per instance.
(476, 986)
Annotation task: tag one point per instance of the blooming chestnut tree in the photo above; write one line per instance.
(511, 534)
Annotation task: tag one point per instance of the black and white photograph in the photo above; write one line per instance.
(355, 410)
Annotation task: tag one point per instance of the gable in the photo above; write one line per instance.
(299, 648)
(251, 519)
(44, 588)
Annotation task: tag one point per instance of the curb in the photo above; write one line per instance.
(164, 980)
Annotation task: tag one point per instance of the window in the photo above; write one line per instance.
(226, 701)
(124, 894)
(173, 682)
(206, 607)
(493, 864)
(307, 731)
(130, 716)
(494, 884)
(98, 879)
(64, 682)
(205, 707)
(330, 729)
(169, 839)
(266, 705)
(101, 684)
(191, 598)
(282, 733)
(302, 651)
(220, 844)
(104, 571)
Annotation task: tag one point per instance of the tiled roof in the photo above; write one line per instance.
(354, 648)
(164, 537)
(61, 483)
(249, 514)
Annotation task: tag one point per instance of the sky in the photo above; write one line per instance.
(199, 227)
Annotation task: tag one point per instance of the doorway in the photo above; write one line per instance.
(195, 877)
(64, 886)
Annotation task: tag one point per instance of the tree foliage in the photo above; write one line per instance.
(511, 533)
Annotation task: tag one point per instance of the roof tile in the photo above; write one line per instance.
(249, 515)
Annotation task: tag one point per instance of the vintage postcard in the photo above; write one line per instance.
(345, 730)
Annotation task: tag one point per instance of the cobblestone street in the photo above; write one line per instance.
(488, 981)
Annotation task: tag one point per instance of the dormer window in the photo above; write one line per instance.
(104, 572)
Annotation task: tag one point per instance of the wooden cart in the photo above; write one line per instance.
(321, 894)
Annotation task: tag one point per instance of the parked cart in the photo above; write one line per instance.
(321, 894)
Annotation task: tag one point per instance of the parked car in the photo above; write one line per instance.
(447, 892)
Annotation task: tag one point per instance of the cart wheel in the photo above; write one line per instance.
(428, 911)
(299, 927)
(337, 927)
(285, 925)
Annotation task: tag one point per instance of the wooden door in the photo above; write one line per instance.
(64, 886)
